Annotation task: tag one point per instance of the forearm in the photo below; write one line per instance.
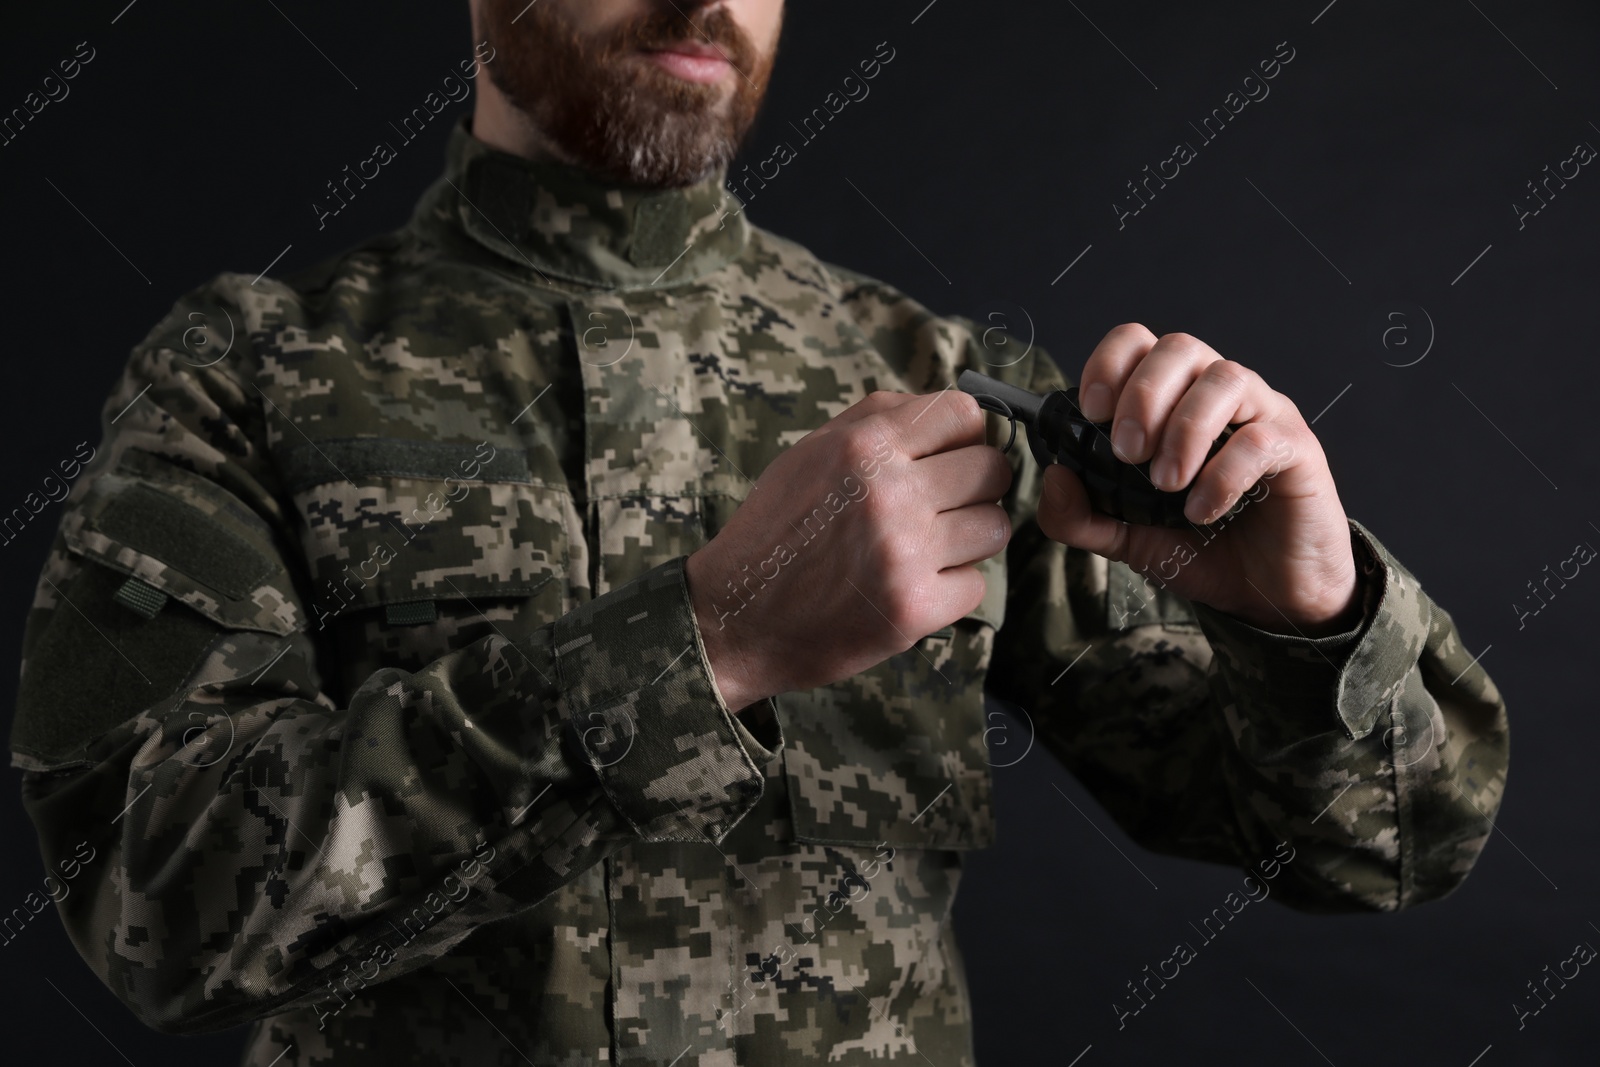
(1209, 738)
(253, 841)
(1384, 751)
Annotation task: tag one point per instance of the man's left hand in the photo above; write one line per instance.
(1283, 562)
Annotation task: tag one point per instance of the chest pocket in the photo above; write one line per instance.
(896, 754)
(424, 547)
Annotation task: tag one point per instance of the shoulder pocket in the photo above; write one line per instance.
(108, 649)
(190, 539)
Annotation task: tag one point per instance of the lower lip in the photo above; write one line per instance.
(702, 69)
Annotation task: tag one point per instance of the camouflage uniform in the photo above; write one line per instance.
(364, 663)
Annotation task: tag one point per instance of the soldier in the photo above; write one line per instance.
(556, 631)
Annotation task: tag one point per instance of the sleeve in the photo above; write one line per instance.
(225, 836)
(1377, 755)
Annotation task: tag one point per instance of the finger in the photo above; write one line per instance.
(1065, 515)
(960, 589)
(937, 422)
(971, 475)
(970, 534)
(1154, 388)
(1224, 392)
(1255, 449)
(1109, 366)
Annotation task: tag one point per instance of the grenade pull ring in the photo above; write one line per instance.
(1000, 407)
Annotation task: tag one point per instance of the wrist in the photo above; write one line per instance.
(1338, 613)
(1344, 619)
(727, 658)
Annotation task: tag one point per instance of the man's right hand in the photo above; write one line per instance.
(854, 544)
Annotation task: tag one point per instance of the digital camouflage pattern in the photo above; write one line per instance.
(364, 661)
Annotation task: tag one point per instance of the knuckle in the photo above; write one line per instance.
(878, 509)
(1290, 408)
(1182, 436)
(1185, 423)
(1183, 342)
(1132, 331)
(903, 607)
(866, 439)
(897, 557)
(1287, 443)
(1229, 374)
(1257, 436)
(968, 413)
(1139, 393)
(856, 442)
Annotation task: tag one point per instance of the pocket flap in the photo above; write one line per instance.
(394, 533)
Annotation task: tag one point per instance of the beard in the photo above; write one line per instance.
(616, 113)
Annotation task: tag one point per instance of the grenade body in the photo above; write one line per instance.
(1059, 432)
(1062, 434)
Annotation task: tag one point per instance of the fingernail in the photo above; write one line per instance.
(1128, 438)
(1165, 473)
(1198, 509)
(1096, 402)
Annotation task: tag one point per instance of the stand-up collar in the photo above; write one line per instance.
(552, 219)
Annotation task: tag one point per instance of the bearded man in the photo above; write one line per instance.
(557, 631)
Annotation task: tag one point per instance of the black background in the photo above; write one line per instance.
(1386, 159)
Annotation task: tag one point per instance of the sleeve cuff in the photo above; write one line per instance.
(639, 700)
(1350, 677)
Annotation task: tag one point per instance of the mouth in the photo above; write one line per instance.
(691, 61)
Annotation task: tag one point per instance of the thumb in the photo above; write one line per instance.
(1065, 516)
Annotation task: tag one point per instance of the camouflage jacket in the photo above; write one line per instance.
(364, 670)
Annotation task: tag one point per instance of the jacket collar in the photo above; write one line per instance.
(555, 221)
